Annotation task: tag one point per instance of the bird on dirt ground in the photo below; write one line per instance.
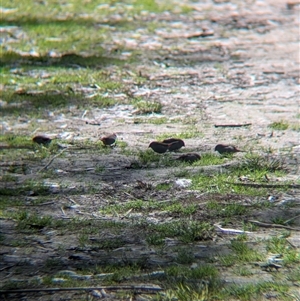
(175, 144)
(226, 149)
(109, 140)
(41, 140)
(159, 147)
(190, 157)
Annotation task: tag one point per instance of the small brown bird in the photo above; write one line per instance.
(41, 140)
(109, 140)
(175, 144)
(190, 157)
(159, 147)
(226, 149)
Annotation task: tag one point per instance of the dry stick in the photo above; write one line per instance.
(289, 220)
(231, 125)
(256, 185)
(149, 289)
(42, 204)
(272, 225)
(57, 155)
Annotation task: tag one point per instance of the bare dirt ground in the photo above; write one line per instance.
(246, 72)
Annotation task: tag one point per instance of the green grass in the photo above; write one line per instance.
(279, 125)
(279, 245)
(146, 107)
(255, 291)
(227, 210)
(148, 206)
(188, 134)
(185, 231)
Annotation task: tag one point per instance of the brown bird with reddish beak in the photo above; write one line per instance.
(191, 157)
(109, 140)
(159, 147)
(226, 149)
(41, 140)
(174, 144)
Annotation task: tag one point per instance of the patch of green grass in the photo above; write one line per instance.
(181, 209)
(186, 231)
(87, 226)
(185, 292)
(185, 256)
(147, 206)
(279, 125)
(8, 201)
(163, 186)
(243, 271)
(148, 156)
(30, 186)
(210, 159)
(241, 254)
(223, 183)
(279, 245)
(183, 173)
(154, 120)
(147, 107)
(258, 163)
(255, 291)
(227, 210)
(32, 221)
(190, 133)
(17, 140)
(295, 127)
(202, 272)
(294, 275)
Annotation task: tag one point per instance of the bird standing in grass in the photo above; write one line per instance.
(159, 147)
(42, 140)
(174, 144)
(190, 157)
(109, 140)
(226, 149)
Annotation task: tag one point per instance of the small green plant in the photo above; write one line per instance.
(190, 133)
(279, 125)
(227, 210)
(254, 162)
(147, 107)
(163, 186)
(148, 156)
(33, 221)
(185, 256)
(244, 253)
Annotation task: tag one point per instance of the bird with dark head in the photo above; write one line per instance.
(226, 149)
(39, 139)
(190, 157)
(175, 144)
(159, 147)
(109, 140)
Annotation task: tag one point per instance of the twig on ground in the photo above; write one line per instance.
(71, 200)
(148, 289)
(43, 204)
(266, 225)
(231, 231)
(259, 185)
(231, 125)
(51, 160)
(289, 220)
(84, 113)
(6, 268)
(63, 211)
